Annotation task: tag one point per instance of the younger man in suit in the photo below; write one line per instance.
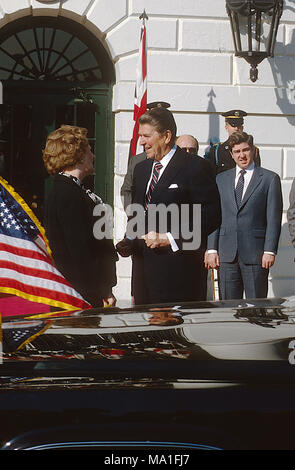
(244, 246)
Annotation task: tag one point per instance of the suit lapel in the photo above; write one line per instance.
(173, 167)
(230, 187)
(254, 183)
(143, 180)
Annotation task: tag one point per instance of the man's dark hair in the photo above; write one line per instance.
(161, 119)
(240, 137)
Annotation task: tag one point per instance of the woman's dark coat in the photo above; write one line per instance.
(88, 264)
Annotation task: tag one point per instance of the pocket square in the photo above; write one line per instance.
(173, 186)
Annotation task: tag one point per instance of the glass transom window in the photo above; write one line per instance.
(47, 52)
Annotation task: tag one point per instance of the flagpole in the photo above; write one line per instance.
(215, 284)
(143, 16)
(140, 96)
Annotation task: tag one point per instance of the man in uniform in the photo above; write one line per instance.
(219, 154)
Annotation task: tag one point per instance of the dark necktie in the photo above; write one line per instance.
(154, 180)
(239, 188)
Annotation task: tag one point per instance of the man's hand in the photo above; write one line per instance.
(156, 240)
(124, 247)
(211, 260)
(267, 260)
(110, 301)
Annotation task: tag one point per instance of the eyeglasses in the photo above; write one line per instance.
(191, 150)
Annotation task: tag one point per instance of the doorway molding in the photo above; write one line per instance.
(59, 12)
(98, 87)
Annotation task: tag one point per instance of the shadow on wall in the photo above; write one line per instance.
(213, 137)
(283, 73)
(283, 271)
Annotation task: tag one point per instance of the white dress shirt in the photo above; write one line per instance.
(247, 176)
(164, 162)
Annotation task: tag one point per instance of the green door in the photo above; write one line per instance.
(25, 125)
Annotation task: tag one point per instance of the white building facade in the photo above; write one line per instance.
(191, 65)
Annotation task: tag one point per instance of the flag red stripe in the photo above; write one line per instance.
(42, 292)
(40, 273)
(25, 252)
(137, 114)
(26, 267)
(140, 105)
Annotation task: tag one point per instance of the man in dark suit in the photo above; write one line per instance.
(244, 246)
(219, 154)
(166, 264)
(126, 189)
(186, 142)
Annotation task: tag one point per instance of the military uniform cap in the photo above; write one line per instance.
(158, 104)
(235, 117)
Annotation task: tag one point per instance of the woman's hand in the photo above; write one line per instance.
(110, 301)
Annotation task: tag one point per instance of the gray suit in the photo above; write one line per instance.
(127, 188)
(246, 233)
(291, 213)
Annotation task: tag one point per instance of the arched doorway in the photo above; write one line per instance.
(53, 71)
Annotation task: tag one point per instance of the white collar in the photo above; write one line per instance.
(166, 159)
(250, 168)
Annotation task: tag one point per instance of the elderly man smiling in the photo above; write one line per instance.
(163, 269)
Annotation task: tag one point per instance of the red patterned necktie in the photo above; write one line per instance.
(156, 171)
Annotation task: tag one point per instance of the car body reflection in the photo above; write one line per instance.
(211, 374)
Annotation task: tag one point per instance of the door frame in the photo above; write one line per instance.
(27, 92)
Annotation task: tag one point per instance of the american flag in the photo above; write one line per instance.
(140, 98)
(16, 334)
(26, 265)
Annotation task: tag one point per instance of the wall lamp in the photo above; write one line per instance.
(254, 25)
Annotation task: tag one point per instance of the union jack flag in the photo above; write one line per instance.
(26, 265)
(140, 98)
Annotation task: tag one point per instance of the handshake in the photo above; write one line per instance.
(124, 247)
(152, 240)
